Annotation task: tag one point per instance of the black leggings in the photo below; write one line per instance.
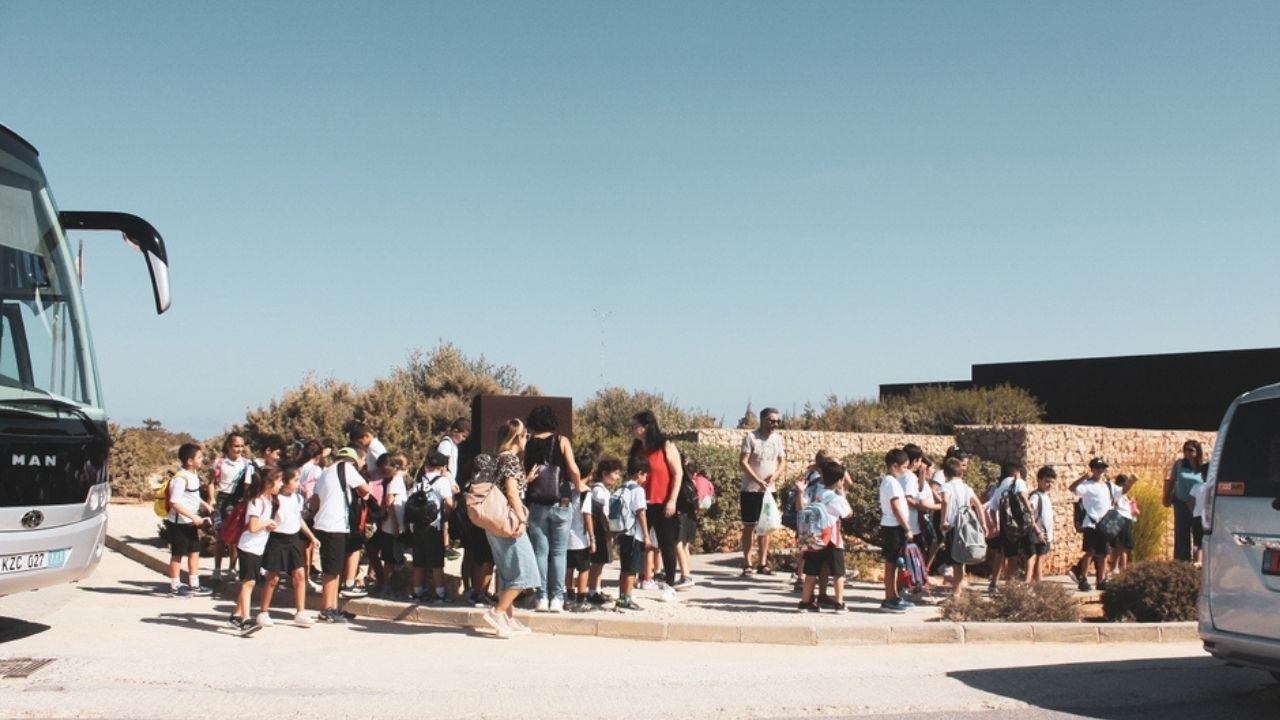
(666, 529)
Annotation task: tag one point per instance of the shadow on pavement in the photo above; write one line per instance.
(152, 589)
(1195, 687)
(15, 629)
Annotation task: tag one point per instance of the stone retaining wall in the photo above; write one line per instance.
(802, 445)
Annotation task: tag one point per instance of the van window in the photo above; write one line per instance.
(1251, 450)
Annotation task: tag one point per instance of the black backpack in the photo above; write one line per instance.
(422, 507)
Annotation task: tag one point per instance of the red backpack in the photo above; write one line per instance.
(233, 525)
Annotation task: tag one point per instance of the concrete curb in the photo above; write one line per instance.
(632, 627)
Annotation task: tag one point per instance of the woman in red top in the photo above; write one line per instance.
(665, 474)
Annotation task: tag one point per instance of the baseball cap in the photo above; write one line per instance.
(347, 453)
(1098, 464)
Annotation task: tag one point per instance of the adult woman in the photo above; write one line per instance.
(1186, 473)
(550, 510)
(513, 556)
(665, 475)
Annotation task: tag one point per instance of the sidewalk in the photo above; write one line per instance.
(721, 607)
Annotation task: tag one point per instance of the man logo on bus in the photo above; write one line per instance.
(32, 519)
(34, 461)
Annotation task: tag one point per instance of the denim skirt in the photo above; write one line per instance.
(515, 563)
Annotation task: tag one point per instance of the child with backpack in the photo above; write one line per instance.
(1128, 509)
(895, 528)
(1007, 518)
(959, 505)
(1097, 497)
(232, 473)
(437, 489)
(390, 538)
(606, 477)
(258, 524)
(819, 535)
(183, 506)
(1042, 511)
(581, 542)
(627, 518)
(284, 556)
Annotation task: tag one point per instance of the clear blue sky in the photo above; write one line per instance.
(716, 201)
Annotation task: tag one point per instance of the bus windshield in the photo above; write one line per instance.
(45, 349)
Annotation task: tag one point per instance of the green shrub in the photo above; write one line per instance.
(602, 424)
(719, 527)
(1153, 591)
(924, 410)
(866, 469)
(1014, 602)
(140, 456)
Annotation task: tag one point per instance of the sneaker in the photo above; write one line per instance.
(556, 605)
(314, 576)
(516, 627)
(451, 554)
(497, 621)
(200, 591)
(903, 605)
(1075, 576)
(490, 598)
(314, 586)
(426, 597)
(249, 627)
(684, 583)
(811, 606)
(1084, 585)
(235, 621)
(179, 591)
(1102, 586)
(542, 605)
(660, 576)
(333, 617)
(347, 615)
(302, 618)
(891, 606)
(478, 600)
(838, 606)
(353, 591)
(264, 619)
(668, 594)
(826, 601)
(647, 585)
(626, 603)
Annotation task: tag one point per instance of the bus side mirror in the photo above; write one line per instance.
(137, 232)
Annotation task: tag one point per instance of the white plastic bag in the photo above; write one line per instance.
(770, 517)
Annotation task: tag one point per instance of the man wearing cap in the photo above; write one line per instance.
(337, 488)
(1098, 497)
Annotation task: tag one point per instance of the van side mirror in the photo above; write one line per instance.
(137, 232)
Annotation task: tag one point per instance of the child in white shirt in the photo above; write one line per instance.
(183, 523)
(428, 541)
(956, 494)
(285, 554)
(634, 536)
(607, 476)
(258, 523)
(830, 559)
(1042, 509)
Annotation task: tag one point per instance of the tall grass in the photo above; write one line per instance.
(1154, 519)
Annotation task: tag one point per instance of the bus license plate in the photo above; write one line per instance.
(22, 562)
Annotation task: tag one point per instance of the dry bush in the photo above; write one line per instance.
(1153, 591)
(1014, 602)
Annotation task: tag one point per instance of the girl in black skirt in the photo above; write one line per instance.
(286, 548)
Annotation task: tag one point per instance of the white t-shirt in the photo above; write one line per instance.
(255, 543)
(450, 449)
(1096, 500)
(837, 506)
(184, 491)
(600, 498)
(332, 515)
(289, 516)
(307, 476)
(1041, 504)
(939, 478)
(633, 495)
(912, 488)
(1019, 486)
(443, 487)
(764, 454)
(393, 498)
(890, 488)
(226, 471)
(957, 494)
(578, 537)
(1123, 505)
(375, 450)
(1197, 494)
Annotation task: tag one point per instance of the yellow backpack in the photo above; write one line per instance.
(161, 502)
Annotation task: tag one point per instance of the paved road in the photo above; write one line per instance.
(122, 651)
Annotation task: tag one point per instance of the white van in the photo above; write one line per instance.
(1240, 588)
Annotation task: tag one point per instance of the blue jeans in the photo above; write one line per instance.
(549, 533)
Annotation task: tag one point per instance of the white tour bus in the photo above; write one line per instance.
(1240, 588)
(53, 429)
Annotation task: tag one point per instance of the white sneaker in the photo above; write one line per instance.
(542, 606)
(556, 605)
(302, 618)
(497, 621)
(516, 627)
(314, 586)
(647, 585)
(264, 619)
(668, 594)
